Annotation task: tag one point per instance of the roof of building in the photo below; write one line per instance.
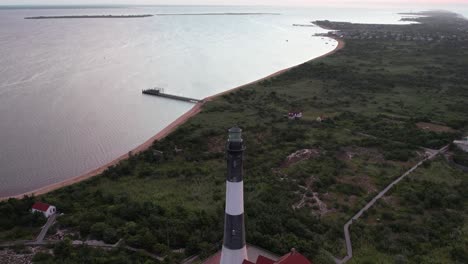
(290, 258)
(41, 206)
(293, 258)
(264, 260)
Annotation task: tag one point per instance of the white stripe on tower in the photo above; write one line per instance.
(235, 196)
(229, 256)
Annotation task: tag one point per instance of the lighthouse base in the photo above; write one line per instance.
(253, 253)
(230, 256)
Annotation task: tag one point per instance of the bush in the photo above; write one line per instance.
(109, 235)
(42, 257)
(399, 155)
(63, 249)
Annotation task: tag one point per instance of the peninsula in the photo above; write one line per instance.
(89, 16)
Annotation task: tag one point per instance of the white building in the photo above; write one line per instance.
(44, 208)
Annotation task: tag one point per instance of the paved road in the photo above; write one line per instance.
(45, 228)
(349, 248)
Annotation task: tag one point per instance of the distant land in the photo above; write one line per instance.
(60, 6)
(87, 16)
(219, 14)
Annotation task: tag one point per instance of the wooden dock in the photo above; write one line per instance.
(160, 93)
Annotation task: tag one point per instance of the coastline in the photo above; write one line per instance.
(161, 134)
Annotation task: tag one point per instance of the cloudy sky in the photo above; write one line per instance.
(240, 2)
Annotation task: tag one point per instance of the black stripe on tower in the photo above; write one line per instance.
(234, 162)
(234, 233)
(235, 150)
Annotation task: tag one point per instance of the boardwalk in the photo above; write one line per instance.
(349, 248)
(46, 227)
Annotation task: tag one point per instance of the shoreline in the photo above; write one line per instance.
(161, 134)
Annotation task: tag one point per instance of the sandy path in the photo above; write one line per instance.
(163, 133)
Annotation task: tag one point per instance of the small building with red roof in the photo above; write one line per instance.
(44, 208)
(293, 258)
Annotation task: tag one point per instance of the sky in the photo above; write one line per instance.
(241, 2)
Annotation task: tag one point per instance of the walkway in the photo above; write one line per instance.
(349, 248)
(45, 228)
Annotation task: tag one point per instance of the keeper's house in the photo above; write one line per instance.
(44, 208)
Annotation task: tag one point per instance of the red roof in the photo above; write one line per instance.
(293, 258)
(263, 260)
(41, 206)
(215, 259)
(290, 258)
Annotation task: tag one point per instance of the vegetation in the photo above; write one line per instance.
(423, 219)
(17, 221)
(63, 252)
(371, 94)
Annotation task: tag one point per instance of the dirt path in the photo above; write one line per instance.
(322, 207)
(349, 247)
(163, 133)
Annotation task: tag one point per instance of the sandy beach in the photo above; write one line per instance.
(163, 133)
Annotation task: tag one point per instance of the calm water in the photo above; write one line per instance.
(70, 90)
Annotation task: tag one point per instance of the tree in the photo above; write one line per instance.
(63, 249)
(109, 235)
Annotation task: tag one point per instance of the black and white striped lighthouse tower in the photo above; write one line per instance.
(234, 250)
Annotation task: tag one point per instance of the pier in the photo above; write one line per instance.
(303, 25)
(159, 92)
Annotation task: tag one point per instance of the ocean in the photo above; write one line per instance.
(70, 89)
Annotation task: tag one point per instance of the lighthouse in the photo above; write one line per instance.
(234, 248)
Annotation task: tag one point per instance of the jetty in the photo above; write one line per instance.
(303, 25)
(159, 92)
